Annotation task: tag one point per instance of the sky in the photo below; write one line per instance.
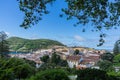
(52, 27)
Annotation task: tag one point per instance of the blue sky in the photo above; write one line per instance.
(51, 27)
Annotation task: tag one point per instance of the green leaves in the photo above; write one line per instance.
(33, 10)
(4, 46)
(7, 74)
(116, 48)
(91, 74)
(52, 62)
(97, 12)
(87, 11)
(45, 58)
(12, 68)
(117, 58)
(105, 65)
(53, 74)
(107, 56)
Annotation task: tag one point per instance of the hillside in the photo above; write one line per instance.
(25, 45)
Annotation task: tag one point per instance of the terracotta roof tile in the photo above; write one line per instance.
(74, 58)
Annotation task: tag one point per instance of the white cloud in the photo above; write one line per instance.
(79, 38)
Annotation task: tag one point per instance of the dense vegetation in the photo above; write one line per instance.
(94, 74)
(4, 47)
(52, 62)
(110, 62)
(116, 48)
(26, 45)
(53, 74)
(14, 68)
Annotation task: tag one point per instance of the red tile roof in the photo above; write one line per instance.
(73, 58)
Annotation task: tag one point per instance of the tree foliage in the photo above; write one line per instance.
(54, 74)
(93, 74)
(105, 65)
(52, 62)
(100, 14)
(4, 47)
(16, 68)
(107, 56)
(117, 58)
(115, 74)
(6, 74)
(47, 66)
(32, 63)
(45, 58)
(33, 10)
(63, 63)
(76, 52)
(55, 59)
(116, 48)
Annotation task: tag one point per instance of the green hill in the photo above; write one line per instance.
(25, 45)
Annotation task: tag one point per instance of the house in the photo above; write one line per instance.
(87, 61)
(70, 51)
(90, 60)
(73, 60)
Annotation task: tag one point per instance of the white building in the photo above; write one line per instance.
(73, 60)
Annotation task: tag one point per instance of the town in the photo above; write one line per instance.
(60, 40)
(85, 58)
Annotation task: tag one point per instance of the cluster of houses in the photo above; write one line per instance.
(33, 56)
(86, 58)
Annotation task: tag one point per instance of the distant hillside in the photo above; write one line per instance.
(24, 45)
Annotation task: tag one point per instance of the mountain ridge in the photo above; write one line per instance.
(26, 45)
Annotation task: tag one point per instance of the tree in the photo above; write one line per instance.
(47, 66)
(101, 13)
(76, 52)
(63, 63)
(93, 74)
(117, 58)
(23, 71)
(45, 58)
(55, 58)
(54, 74)
(31, 9)
(32, 63)
(116, 48)
(51, 63)
(18, 68)
(107, 56)
(7, 74)
(4, 48)
(105, 65)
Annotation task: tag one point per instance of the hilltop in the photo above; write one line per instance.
(25, 45)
